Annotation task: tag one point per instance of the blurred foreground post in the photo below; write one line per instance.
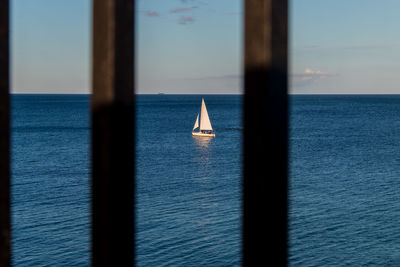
(112, 109)
(265, 133)
(5, 230)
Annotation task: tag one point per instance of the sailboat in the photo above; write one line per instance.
(206, 129)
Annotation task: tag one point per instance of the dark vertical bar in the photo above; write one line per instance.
(113, 133)
(265, 133)
(5, 232)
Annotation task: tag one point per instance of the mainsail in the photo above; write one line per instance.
(196, 124)
(205, 123)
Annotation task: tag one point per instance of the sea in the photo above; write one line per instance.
(344, 181)
(188, 194)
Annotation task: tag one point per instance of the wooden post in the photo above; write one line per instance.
(5, 230)
(265, 133)
(113, 133)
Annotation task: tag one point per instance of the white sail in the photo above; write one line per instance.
(196, 124)
(205, 123)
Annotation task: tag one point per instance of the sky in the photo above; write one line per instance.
(344, 47)
(195, 46)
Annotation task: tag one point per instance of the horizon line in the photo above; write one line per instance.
(18, 93)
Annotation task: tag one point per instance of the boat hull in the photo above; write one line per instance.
(203, 134)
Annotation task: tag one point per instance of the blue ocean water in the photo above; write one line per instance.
(343, 191)
(50, 185)
(188, 189)
(344, 181)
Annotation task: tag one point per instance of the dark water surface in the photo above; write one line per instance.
(188, 189)
(50, 186)
(344, 181)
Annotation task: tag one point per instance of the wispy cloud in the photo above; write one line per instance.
(363, 47)
(186, 20)
(217, 77)
(180, 9)
(309, 76)
(234, 13)
(152, 14)
(348, 47)
(297, 79)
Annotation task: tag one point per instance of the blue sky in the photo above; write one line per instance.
(195, 46)
(347, 46)
(50, 46)
(189, 46)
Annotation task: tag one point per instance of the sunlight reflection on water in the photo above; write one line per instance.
(202, 142)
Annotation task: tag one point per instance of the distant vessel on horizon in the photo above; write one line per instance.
(206, 129)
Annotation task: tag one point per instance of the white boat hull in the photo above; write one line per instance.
(203, 134)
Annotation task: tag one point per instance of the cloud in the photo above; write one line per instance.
(152, 14)
(297, 79)
(203, 3)
(309, 76)
(234, 13)
(180, 9)
(363, 47)
(313, 72)
(349, 47)
(217, 77)
(185, 20)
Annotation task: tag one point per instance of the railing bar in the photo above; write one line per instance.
(265, 134)
(5, 225)
(112, 110)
